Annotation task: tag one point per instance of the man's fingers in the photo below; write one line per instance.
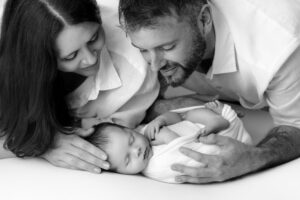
(189, 179)
(214, 139)
(198, 172)
(202, 158)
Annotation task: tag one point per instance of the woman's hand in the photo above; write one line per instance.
(73, 152)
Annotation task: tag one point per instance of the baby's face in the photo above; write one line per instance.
(128, 151)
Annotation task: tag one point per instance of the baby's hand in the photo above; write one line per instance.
(215, 106)
(205, 131)
(153, 128)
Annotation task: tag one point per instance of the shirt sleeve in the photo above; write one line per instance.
(283, 93)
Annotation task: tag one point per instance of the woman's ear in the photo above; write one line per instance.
(204, 20)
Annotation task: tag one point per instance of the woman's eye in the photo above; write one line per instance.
(94, 38)
(70, 57)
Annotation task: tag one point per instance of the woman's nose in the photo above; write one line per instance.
(90, 57)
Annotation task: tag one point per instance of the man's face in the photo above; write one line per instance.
(128, 151)
(175, 48)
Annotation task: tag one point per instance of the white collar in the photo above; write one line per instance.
(106, 78)
(224, 57)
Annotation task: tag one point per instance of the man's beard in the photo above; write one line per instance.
(192, 62)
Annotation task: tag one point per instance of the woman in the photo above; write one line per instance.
(53, 63)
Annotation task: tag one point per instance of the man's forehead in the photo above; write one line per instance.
(160, 34)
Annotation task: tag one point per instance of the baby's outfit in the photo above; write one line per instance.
(159, 166)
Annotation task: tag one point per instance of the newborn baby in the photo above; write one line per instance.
(153, 149)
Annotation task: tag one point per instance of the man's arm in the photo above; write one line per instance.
(281, 145)
(236, 159)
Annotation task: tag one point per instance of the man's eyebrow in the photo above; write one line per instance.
(159, 46)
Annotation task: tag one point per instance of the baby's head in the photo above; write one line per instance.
(128, 151)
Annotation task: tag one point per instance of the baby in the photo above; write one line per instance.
(154, 148)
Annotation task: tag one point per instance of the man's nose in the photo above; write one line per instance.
(157, 61)
(90, 57)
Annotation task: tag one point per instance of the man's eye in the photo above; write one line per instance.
(168, 47)
(143, 50)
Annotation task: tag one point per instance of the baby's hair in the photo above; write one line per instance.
(100, 137)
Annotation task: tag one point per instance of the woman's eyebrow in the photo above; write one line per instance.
(95, 33)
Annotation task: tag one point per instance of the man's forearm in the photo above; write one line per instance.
(280, 146)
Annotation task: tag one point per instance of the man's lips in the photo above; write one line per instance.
(168, 71)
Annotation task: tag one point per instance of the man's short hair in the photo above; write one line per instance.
(137, 14)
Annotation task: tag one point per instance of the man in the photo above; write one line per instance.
(253, 47)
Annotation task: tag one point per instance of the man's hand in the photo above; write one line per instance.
(235, 159)
(73, 152)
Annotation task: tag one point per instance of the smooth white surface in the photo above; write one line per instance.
(35, 179)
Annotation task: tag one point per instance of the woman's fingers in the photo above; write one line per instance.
(73, 152)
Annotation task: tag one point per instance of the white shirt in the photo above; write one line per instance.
(257, 56)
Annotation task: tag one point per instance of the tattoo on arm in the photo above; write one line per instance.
(282, 145)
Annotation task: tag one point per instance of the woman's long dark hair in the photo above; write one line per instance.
(32, 104)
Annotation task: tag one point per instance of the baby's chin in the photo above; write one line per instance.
(133, 171)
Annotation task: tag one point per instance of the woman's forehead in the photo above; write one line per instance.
(74, 37)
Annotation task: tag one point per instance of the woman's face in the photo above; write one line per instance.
(79, 47)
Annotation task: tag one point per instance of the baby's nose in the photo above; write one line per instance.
(137, 151)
